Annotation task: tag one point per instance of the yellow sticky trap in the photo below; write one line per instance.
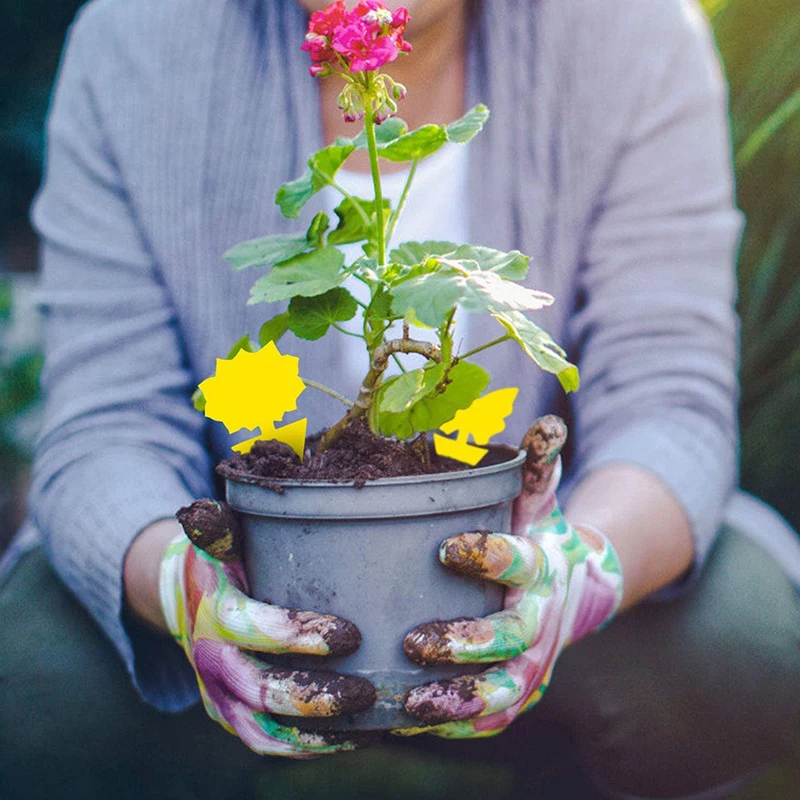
(255, 390)
(486, 417)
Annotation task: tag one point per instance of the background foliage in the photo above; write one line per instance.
(760, 45)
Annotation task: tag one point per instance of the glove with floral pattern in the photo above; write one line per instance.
(563, 581)
(204, 598)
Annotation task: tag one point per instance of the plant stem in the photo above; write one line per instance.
(332, 392)
(398, 362)
(395, 218)
(346, 332)
(358, 207)
(447, 340)
(366, 394)
(486, 346)
(372, 147)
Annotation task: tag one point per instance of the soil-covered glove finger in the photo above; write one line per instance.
(578, 589)
(514, 561)
(499, 557)
(213, 608)
(541, 472)
(488, 699)
(497, 637)
(213, 527)
(265, 735)
(265, 688)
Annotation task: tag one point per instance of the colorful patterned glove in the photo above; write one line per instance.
(203, 595)
(563, 582)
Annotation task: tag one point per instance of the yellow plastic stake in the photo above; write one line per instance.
(255, 390)
(486, 417)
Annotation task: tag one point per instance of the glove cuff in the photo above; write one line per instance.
(171, 589)
(601, 586)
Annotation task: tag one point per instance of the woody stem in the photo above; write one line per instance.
(366, 395)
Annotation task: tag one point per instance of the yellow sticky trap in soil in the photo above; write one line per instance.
(255, 390)
(485, 418)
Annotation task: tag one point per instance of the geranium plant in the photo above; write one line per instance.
(413, 284)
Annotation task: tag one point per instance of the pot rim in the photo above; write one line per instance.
(399, 480)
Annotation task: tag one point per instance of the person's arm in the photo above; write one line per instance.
(141, 572)
(121, 446)
(655, 418)
(656, 334)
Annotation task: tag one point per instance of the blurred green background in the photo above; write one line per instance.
(760, 45)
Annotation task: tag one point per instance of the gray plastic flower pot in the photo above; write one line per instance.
(370, 555)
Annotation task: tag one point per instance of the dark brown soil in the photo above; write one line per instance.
(357, 456)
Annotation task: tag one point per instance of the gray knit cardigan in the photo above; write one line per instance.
(174, 121)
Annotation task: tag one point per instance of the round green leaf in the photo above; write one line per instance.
(273, 329)
(466, 382)
(311, 317)
(266, 251)
(306, 275)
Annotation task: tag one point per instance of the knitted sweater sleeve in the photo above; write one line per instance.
(656, 330)
(121, 446)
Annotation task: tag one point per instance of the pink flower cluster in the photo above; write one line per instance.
(362, 40)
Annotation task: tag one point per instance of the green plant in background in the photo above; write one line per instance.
(760, 45)
(19, 393)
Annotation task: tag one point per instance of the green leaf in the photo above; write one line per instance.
(428, 299)
(389, 130)
(266, 251)
(322, 168)
(409, 388)
(538, 346)
(352, 227)
(469, 126)
(366, 267)
(465, 382)
(5, 299)
(377, 314)
(292, 196)
(199, 400)
(421, 143)
(513, 265)
(767, 129)
(412, 253)
(19, 384)
(326, 163)
(273, 329)
(316, 230)
(242, 344)
(311, 317)
(487, 291)
(306, 275)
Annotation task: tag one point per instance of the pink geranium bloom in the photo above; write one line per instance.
(366, 38)
(321, 28)
(362, 45)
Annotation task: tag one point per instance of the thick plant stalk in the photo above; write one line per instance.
(372, 147)
(366, 394)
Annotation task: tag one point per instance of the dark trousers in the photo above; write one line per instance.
(669, 700)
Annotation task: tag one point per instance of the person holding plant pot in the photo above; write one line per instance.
(607, 158)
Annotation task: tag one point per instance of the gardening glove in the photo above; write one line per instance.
(204, 597)
(562, 582)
